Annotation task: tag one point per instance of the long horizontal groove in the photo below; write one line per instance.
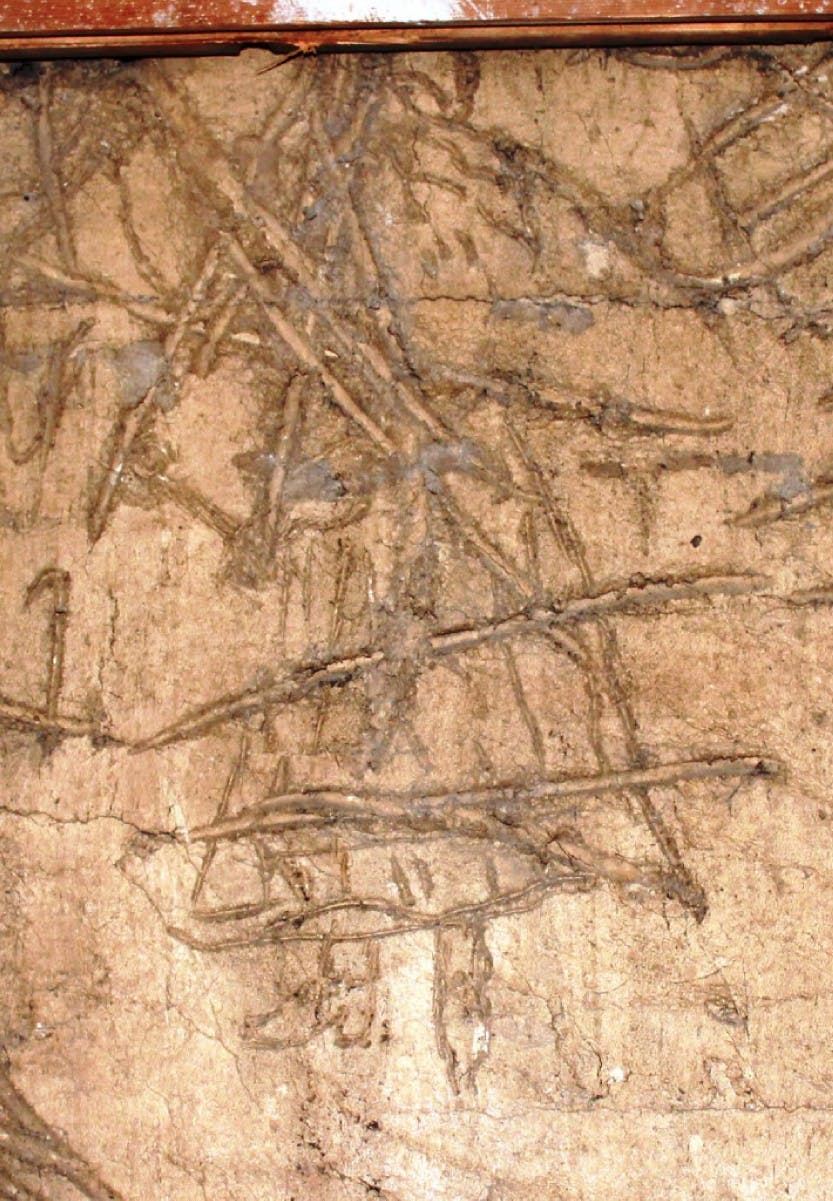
(225, 40)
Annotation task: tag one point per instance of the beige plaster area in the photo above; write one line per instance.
(416, 578)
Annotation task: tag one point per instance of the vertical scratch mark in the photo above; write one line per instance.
(300, 346)
(306, 583)
(529, 538)
(220, 323)
(529, 719)
(62, 376)
(222, 808)
(343, 574)
(689, 892)
(51, 182)
(461, 1007)
(493, 558)
(56, 581)
(401, 883)
(283, 456)
(130, 422)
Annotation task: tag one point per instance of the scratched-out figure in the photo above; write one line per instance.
(345, 866)
(431, 826)
(453, 570)
(451, 539)
(457, 744)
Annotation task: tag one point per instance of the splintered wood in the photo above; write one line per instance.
(417, 594)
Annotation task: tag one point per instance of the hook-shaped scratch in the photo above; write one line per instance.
(57, 582)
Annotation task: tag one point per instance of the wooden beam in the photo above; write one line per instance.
(41, 28)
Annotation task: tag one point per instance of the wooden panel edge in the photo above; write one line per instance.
(483, 35)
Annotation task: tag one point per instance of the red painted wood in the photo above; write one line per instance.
(39, 27)
(52, 16)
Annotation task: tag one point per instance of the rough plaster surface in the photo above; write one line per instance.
(417, 593)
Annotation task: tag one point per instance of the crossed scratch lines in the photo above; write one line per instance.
(498, 816)
(580, 628)
(799, 498)
(625, 598)
(406, 413)
(526, 823)
(234, 208)
(231, 196)
(33, 1156)
(785, 94)
(232, 203)
(62, 375)
(479, 811)
(379, 377)
(231, 199)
